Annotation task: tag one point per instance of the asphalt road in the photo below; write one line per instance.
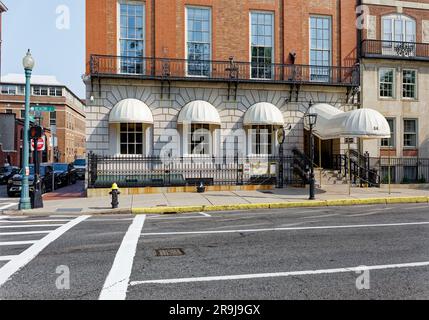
(359, 252)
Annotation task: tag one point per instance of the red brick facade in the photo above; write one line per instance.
(165, 28)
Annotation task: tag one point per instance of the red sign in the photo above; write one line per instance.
(40, 144)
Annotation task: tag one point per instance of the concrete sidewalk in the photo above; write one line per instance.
(238, 200)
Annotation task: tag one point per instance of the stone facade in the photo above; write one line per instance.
(165, 109)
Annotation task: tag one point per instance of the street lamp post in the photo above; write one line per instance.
(24, 202)
(311, 120)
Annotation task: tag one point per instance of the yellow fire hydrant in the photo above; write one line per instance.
(115, 196)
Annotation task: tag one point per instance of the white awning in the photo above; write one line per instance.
(199, 112)
(131, 111)
(333, 123)
(263, 113)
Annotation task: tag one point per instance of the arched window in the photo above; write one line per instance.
(398, 34)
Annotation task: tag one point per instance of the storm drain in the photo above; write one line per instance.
(169, 252)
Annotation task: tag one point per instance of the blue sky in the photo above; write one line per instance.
(59, 52)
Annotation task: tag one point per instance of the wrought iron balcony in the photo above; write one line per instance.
(395, 50)
(197, 70)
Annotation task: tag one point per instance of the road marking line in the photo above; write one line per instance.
(116, 284)
(175, 218)
(282, 274)
(324, 216)
(16, 243)
(8, 206)
(35, 221)
(417, 208)
(245, 225)
(23, 233)
(6, 258)
(205, 214)
(30, 226)
(29, 254)
(287, 229)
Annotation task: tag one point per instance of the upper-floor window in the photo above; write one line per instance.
(47, 91)
(53, 118)
(9, 89)
(397, 29)
(40, 91)
(409, 84)
(386, 82)
(320, 47)
(131, 40)
(198, 46)
(262, 44)
(55, 91)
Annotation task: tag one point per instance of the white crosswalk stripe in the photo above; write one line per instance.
(42, 238)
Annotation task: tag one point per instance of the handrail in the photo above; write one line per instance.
(173, 68)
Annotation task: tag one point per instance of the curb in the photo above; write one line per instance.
(232, 207)
(18, 213)
(281, 205)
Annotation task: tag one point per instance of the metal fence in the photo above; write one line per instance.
(395, 49)
(402, 170)
(179, 69)
(139, 171)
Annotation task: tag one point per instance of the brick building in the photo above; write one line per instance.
(178, 77)
(67, 123)
(395, 74)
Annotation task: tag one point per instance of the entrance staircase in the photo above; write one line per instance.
(329, 177)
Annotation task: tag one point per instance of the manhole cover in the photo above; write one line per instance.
(169, 252)
(268, 192)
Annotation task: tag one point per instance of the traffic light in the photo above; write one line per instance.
(36, 132)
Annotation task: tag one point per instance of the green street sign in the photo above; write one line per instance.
(43, 108)
(32, 119)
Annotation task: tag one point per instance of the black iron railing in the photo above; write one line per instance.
(140, 171)
(357, 169)
(180, 69)
(395, 50)
(402, 170)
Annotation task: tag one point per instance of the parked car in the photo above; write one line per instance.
(14, 184)
(80, 166)
(66, 174)
(7, 172)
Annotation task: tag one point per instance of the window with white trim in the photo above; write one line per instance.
(320, 47)
(198, 46)
(8, 89)
(199, 139)
(131, 138)
(132, 40)
(398, 35)
(386, 82)
(410, 133)
(40, 91)
(409, 84)
(262, 44)
(262, 139)
(390, 142)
